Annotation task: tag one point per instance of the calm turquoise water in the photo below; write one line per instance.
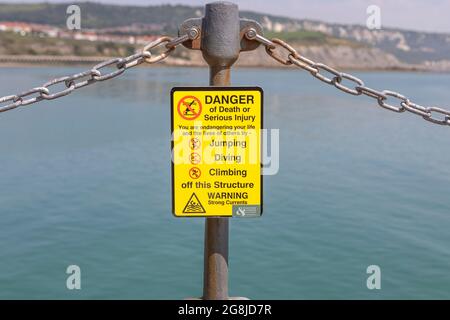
(86, 180)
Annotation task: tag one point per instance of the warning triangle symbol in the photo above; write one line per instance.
(194, 205)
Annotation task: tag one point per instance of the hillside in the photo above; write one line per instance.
(406, 47)
(14, 44)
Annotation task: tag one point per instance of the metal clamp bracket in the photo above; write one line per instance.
(221, 24)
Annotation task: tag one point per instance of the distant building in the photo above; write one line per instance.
(24, 28)
(128, 34)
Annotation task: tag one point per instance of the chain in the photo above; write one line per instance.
(432, 114)
(292, 57)
(83, 79)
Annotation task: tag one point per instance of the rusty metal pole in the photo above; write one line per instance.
(222, 39)
(220, 45)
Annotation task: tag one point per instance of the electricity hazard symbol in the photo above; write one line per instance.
(194, 205)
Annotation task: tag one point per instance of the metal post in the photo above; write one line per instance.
(222, 39)
(220, 45)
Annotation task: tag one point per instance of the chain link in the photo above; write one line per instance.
(75, 81)
(292, 57)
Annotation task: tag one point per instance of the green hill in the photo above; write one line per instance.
(95, 15)
(407, 46)
(15, 44)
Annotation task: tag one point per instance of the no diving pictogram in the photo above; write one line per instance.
(189, 107)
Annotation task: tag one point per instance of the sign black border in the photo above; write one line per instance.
(210, 88)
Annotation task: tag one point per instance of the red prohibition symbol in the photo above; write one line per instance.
(189, 107)
(194, 143)
(195, 173)
(195, 158)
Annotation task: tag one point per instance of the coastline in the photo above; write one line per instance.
(21, 64)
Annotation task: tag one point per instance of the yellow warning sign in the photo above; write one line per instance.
(216, 151)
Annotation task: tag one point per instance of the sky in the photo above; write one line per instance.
(423, 15)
